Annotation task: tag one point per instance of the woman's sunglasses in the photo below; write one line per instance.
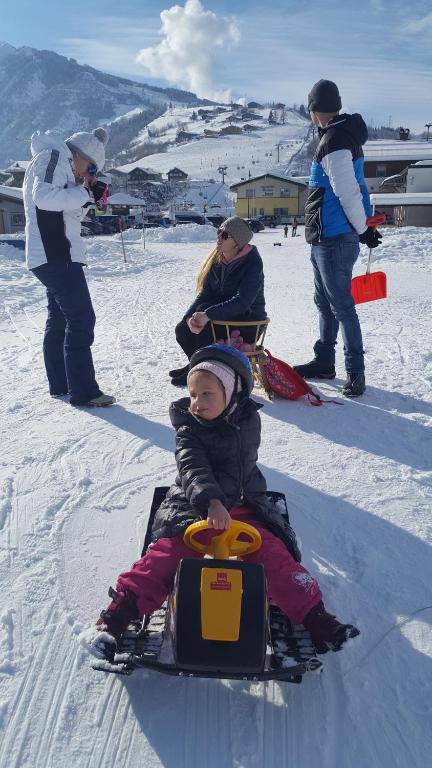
(223, 234)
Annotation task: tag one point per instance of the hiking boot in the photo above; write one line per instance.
(181, 380)
(102, 645)
(355, 385)
(112, 623)
(327, 633)
(102, 401)
(178, 371)
(315, 370)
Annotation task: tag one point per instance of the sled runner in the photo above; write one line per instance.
(218, 621)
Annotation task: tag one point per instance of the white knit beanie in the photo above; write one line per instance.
(90, 145)
(223, 372)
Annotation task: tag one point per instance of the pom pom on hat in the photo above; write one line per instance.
(101, 134)
(90, 145)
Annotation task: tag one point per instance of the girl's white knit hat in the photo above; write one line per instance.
(223, 372)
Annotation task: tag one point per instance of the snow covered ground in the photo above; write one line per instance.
(75, 493)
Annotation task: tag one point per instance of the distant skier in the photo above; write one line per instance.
(59, 182)
(294, 227)
(286, 230)
(336, 211)
(218, 433)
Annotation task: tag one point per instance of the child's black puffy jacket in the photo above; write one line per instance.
(217, 460)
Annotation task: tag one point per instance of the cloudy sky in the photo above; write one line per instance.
(378, 51)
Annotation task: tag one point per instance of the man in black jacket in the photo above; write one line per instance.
(336, 213)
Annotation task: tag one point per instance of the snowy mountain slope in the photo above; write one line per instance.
(200, 158)
(76, 488)
(42, 90)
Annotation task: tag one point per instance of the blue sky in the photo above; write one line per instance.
(379, 52)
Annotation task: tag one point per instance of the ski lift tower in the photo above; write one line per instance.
(283, 143)
(222, 170)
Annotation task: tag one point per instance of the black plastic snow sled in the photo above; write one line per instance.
(218, 621)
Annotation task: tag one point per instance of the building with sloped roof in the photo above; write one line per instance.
(271, 194)
(389, 157)
(12, 218)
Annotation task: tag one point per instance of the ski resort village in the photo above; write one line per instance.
(216, 375)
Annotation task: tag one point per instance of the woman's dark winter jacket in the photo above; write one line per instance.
(217, 460)
(338, 200)
(233, 291)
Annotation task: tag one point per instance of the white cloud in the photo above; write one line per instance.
(417, 26)
(186, 54)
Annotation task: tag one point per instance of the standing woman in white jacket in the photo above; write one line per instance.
(60, 180)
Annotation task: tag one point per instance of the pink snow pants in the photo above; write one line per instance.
(290, 585)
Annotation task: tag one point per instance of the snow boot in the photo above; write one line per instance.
(315, 370)
(327, 633)
(102, 401)
(178, 371)
(355, 385)
(181, 380)
(112, 623)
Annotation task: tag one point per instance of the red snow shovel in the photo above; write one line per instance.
(372, 285)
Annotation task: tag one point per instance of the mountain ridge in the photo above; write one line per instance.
(45, 90)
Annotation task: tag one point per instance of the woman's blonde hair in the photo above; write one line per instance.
(210, 260)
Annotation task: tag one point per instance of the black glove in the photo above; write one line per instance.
(97, 190)
(372, 238)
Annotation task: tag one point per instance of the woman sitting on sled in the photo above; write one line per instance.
(230, 286)
(218, 431)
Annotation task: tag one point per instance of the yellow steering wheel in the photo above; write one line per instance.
(226, 544)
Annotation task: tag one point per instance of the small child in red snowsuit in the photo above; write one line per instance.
(218, 432)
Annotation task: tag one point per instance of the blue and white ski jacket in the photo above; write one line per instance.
(338, 199)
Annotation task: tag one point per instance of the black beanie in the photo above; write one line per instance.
(324, 97)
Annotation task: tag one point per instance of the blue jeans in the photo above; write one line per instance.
(69, 332)
(333, 260)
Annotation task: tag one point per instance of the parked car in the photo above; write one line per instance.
(255, 224)
(152, 220)
(188, 218)
(269, 221)
(100, 226)
(215, 219)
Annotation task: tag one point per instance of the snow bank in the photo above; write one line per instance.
(182, 233)
(411, 245)
(10, 252)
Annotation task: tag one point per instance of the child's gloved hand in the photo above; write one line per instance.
(218, 517)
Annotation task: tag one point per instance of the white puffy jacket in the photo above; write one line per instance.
(53, 204)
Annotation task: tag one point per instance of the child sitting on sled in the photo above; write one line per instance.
(218, 432)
